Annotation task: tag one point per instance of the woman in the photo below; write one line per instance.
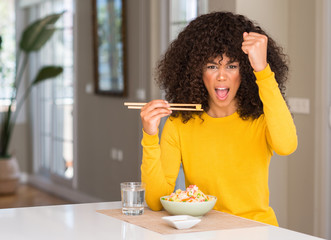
(238, 73)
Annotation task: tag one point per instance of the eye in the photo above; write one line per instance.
(211, 67)
(233, 66)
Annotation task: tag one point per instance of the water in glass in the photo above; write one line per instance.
(133, 197)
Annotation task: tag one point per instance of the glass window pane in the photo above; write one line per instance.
(57, 94)
(63, 164)
(46, 120)
(183, 10)
(64, 119)
(181, 13)
(7, 49)
(45, 151)
(176, 29)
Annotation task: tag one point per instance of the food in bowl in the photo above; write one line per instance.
(191, 202)
(191, 194)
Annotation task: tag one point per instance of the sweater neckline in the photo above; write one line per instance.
(231, 117)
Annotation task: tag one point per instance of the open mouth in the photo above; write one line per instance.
(222, 93)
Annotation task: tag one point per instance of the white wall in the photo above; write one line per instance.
(301, 192)
(322, 186)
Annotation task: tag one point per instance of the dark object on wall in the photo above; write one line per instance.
(109, 47)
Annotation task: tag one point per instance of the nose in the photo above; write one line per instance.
(221, 75)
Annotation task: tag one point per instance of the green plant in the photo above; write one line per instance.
(33, 39)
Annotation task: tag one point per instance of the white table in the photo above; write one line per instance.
(81, 221)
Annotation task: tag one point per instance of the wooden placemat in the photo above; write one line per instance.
(213, 220)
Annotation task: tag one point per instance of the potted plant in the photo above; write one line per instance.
(33, 39)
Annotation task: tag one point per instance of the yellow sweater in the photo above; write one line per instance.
(226, 157)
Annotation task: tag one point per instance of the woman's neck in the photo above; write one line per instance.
(219, 112)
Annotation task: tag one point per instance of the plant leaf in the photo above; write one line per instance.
(42, 39)
(46, 73)
(38, 33)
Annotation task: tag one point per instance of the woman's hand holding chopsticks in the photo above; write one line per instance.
(153, 111)
(151, 114)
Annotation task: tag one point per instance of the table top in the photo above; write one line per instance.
(81, 221)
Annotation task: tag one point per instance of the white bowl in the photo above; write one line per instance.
(196, 209)
(181, 221)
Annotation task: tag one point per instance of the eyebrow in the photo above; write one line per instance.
(229, 62)
(213, 62)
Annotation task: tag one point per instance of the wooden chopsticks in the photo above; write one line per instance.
(173, 106)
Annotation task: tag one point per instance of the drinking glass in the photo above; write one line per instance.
(133, 197)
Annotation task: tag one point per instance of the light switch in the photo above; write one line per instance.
(89, 88)
(116, 154)
(120, 155)
(299, 105)
(141, 94)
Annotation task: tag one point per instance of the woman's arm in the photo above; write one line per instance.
(281, 131)
(160, 164)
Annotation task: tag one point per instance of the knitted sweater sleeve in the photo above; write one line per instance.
(160, 164)
(281, 131)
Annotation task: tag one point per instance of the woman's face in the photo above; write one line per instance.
(222, 80)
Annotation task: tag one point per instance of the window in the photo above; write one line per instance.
(182, 12)
(7, 50)
(53, 101)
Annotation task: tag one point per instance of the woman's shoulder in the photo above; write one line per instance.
(258, 122)
(174, 121)
(180, 120)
